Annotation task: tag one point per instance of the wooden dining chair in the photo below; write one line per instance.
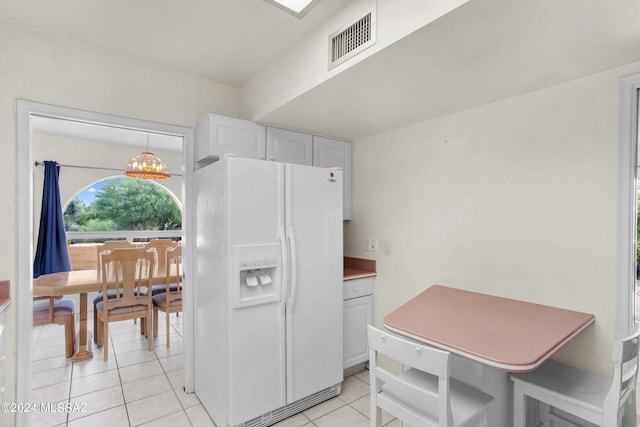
(422, 395)
(110, 245)
(126, 270)
(48, 310)
(105, 247)
(594, 398)
(161, 246)
(169, 301)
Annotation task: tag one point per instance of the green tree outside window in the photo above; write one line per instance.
(124, 204)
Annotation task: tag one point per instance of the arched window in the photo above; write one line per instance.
(122, 207)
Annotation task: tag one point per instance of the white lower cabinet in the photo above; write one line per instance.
(2, 359)
(358, 313)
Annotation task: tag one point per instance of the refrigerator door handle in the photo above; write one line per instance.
(294, 279)
(285, 269)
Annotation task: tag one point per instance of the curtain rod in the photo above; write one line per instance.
(38, 163)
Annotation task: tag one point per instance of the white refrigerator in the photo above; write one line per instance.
(268, 290)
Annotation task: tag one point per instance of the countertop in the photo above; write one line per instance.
(512, 335)
(5, 299)
(357, 268)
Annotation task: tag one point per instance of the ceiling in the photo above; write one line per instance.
(480, 52)
(227, 41)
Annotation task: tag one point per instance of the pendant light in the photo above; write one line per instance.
(147, 166)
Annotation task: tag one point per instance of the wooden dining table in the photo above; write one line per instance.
(82, 282)
(502, 335)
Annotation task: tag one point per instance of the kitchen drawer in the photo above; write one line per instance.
(357, 288)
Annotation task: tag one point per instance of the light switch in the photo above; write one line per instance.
(370, 244)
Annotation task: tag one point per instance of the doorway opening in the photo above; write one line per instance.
(627, 220)
(29, 115)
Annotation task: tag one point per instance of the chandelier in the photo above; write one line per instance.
(147, 166)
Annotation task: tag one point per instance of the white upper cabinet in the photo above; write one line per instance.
(288, 146)
(333, 153)
(218, 135)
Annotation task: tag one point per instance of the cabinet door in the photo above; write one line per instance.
(288, 146)
(218, 135)
(358, 313)
(333, 153)
(2, 360)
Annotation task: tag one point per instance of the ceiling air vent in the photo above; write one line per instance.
(352, 39)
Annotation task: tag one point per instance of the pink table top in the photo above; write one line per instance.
(513, 335)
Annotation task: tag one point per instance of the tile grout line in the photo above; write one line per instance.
(168, 380)
(164, 373)
(70, 386)
(124, 399)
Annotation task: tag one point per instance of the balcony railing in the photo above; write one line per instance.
(82, 245)
(131, 236)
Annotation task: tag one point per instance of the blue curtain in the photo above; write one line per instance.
(52, 254)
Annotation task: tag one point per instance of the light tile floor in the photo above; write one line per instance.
(136, 387)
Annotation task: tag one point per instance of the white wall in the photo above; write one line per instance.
(516, 198)
(51, 70)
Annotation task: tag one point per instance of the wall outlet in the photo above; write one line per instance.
(370, 244)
